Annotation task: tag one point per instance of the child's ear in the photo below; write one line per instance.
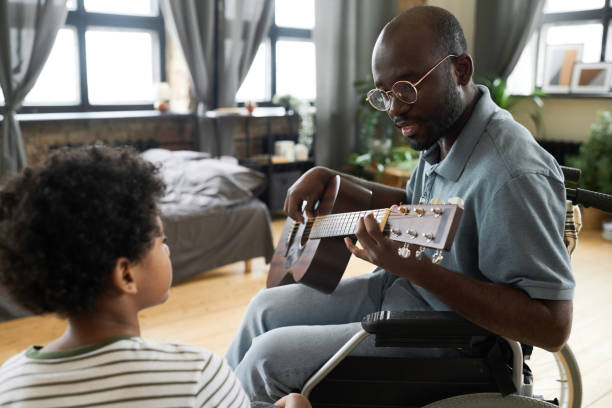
(123, 276)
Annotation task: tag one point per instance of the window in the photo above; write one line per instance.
(285, 62)
(107, 57)
(581, 24)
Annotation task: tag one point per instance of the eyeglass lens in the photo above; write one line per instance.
(380, 100)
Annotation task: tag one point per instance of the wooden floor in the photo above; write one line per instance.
(207, 309)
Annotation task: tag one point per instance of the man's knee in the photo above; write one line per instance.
(267, 370)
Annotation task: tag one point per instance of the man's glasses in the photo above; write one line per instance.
(405, 91)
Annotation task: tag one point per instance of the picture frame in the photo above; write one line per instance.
(592, 78)
(559, 61)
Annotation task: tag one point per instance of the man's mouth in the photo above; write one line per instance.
(409, 130)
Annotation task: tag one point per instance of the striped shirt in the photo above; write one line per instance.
(122, 371)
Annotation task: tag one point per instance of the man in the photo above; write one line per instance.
(508, 270)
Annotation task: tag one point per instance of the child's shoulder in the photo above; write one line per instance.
(177, 348)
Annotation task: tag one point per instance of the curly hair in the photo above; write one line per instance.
(64, 224)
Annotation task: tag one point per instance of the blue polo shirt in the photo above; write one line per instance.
(511, 232)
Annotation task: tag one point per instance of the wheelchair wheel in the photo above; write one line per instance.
(557, 375)
(488, 400)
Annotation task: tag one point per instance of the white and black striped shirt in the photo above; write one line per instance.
(122, 371)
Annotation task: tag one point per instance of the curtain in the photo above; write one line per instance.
(27, 33)
(503, 28)
(219, 51)
(344, 36)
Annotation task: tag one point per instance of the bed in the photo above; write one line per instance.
(210, 211)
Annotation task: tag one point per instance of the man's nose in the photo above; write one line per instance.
(398, 107)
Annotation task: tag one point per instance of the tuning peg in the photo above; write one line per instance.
(404, 251)
(437, 257)
(457, 201)
(436, 201)
(418, 254)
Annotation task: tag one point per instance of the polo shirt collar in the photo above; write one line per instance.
(453, 164)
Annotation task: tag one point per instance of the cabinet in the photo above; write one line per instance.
(254, 138)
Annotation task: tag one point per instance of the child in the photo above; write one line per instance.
(80, 236)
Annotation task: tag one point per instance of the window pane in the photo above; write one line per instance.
(587, 34)
(58, 83)
(295, 69)
(522, 79)
(71, 4)
(292, 13)
(137, 7)
(256, 84)
(120, 66)
(560, 6)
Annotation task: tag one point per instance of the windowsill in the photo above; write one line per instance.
(604, 95)
(66, 116)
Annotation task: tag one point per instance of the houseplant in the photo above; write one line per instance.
(303, 109)
(595, 160)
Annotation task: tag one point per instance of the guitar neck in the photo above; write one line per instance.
(343, 224)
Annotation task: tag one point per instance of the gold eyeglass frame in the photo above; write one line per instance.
(413, 85)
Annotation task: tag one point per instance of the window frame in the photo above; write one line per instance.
(275, 34)
(603, 15)
(80, 20)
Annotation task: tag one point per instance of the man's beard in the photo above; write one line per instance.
(439, 127)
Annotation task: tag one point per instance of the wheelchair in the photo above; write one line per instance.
(496, 375)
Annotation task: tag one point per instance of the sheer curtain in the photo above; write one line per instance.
(502, 30)
(219, 39)
(344, 35)
(27, 33)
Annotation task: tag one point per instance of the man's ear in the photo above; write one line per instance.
(123, 278)
(464, 69)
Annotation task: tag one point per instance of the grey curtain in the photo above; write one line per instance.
(502, 30)
(344, 35)
(219, 52)
(27, 33)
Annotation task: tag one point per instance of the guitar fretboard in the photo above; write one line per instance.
(339, 225)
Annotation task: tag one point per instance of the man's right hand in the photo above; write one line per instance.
(309, 188)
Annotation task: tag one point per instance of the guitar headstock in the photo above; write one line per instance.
(425, 225)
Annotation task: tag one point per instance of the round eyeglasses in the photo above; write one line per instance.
(405, 91)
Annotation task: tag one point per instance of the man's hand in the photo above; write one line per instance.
(309, 188)
(293, 401)
(376, 248)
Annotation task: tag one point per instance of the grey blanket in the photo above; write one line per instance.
(196, 183)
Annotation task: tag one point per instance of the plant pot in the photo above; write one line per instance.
(592, 218)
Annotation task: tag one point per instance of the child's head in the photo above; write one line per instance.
(65, 224)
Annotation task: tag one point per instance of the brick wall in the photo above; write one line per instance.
(171, 132)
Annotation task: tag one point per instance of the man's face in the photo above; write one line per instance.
(407, 57)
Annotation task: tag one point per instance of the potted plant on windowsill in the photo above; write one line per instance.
(595, 160)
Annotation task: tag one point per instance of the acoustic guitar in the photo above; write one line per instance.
(314, 253)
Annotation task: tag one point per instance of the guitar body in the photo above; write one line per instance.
(318, 263)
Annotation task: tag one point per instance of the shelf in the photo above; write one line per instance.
(254, 163)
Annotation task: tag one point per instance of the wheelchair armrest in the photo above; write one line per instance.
(421, 329)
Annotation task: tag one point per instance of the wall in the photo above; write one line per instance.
(465, 11)
(564, 119)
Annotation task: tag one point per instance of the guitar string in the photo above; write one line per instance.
(345, 223)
